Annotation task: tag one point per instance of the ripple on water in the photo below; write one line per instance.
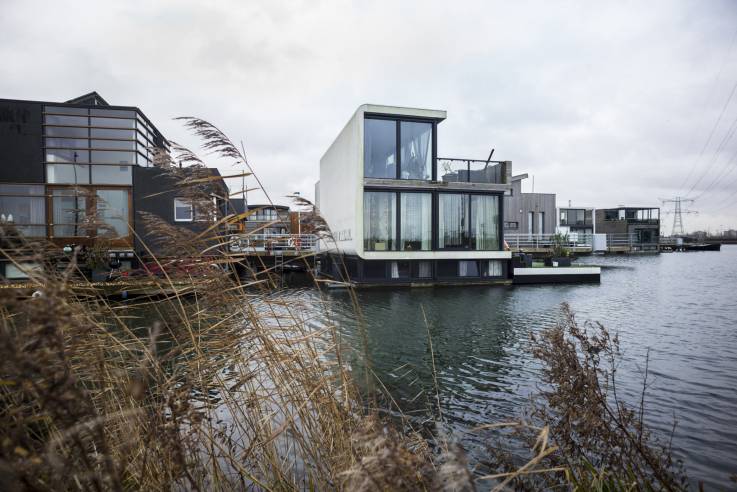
(680, 306)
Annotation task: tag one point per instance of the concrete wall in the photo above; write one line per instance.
(21, 142)
(340, 194)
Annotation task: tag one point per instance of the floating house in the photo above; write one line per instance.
(400, 214)
(576, 220)
(83, 172)
(528, 213)
(629, 229)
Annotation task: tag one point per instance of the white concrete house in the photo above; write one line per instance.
(399, 214)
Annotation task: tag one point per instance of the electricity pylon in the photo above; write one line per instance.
(678, 213)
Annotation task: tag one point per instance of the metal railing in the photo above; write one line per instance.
(631, 242)
(275, 243)
(471, 171)
(543, 241)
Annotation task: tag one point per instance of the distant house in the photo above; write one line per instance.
(576, 220)
(81, 172)
(528, 213)
(636, 227)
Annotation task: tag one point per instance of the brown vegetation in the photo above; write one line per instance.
(230, 387)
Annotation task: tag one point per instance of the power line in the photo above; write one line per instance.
(711, 91)
(678, 213)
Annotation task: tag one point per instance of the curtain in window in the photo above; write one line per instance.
(379, 221)
(416, 150)
(485, 227)
(416, 228)
(453, 220)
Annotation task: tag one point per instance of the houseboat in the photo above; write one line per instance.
(84, 175)
(401, 215)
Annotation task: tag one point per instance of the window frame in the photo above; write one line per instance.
(397, 119)
(435, 215)
(191, 210)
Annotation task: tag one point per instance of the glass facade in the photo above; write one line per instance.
(380, 149)
(468, 221)
(24, 206)
(416, 222)
(453, 221)
(397, 149)
(112, 213)
(69, 213)
(99, 134)
(416, 150)
(379, 221)
(485, 222)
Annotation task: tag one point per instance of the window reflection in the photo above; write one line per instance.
(380, 145)
(416, 150)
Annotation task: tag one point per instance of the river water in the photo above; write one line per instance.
(682, 307)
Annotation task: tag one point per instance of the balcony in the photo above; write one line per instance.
(471, 171)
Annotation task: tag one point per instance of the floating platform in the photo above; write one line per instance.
(557, 275)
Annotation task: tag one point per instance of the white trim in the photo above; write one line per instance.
(183, 202)
(436, 255)
(557, 271)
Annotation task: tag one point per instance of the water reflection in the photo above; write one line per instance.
(679, 306)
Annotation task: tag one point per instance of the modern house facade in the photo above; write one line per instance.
(528, 213)
(399, 214)
(76, 173)
(636, 228)
(576, 220)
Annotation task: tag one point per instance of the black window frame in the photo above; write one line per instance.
(397, 119)
(435, 215)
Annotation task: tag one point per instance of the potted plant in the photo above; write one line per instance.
(560, 254)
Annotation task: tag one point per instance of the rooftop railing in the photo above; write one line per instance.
(471, 171)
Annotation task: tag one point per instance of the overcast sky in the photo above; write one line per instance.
(604, 104)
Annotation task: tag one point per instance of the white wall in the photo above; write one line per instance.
(341, 174)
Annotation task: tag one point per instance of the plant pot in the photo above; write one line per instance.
(558, 261)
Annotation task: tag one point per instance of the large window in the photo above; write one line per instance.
(379, 221)
(103, 131)
(398, 149)
(416, 150)
(416, 222)
(24, 206)
(112, 212)
(380, 149)
(468, 221)
(485, 222)
(69, 213)
(453, 221)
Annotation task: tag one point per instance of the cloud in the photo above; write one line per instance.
(603, 103)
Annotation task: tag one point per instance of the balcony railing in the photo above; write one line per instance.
(576, 223)
(542, 241)
(471, 171)
(273, 243)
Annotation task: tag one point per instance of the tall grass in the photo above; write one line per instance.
(208, 380)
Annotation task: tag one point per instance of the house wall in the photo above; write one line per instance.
(154, 191)
(529, 202)
(21, 142)
(340, 197)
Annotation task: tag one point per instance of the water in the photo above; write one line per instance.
(680, 306)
